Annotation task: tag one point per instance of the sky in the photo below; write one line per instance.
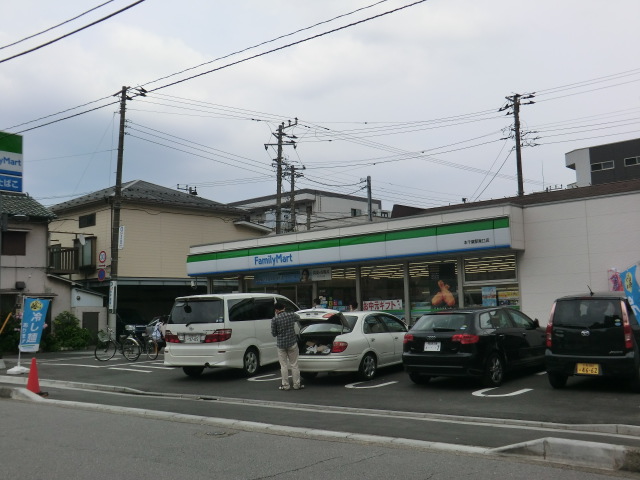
(410, 97)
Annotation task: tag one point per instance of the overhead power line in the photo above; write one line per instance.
(55, 26)
(71, 33)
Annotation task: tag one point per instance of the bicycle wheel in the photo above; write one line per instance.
(105, 350)
(152, 349)
(130, 349)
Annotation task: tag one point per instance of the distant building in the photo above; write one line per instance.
(607, 163)
(313, 209)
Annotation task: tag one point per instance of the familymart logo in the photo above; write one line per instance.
(273, 260)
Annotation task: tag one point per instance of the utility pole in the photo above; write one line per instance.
(514, 103)
(293, 198)
(279, 160)
(115, 221)
(369, 198)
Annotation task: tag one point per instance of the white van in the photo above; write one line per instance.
(227, 330)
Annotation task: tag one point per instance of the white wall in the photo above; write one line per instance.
(569, 247)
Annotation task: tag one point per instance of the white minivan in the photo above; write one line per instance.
(227, 330)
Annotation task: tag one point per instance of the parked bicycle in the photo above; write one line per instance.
(148, 346)
(108, 345)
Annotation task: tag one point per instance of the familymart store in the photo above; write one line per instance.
(407, 266)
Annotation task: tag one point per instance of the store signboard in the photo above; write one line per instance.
(11, 164)
(292, 276)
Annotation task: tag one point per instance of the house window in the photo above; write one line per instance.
(14, 243)
(630, 162)
(595, 167)
(87, 220)
(86, 253)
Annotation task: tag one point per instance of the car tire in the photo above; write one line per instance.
(419, 379)
(308, 375)
(193, 372)
(250, 362)
(493, 371)
(368, 367)
(557, 380)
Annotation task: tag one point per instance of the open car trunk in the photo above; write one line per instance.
(318, 334)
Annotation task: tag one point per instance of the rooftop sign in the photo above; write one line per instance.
(10, 162)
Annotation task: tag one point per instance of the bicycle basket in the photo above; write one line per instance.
(103, 336)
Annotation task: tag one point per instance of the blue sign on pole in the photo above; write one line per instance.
(33, 318)
(10, 183)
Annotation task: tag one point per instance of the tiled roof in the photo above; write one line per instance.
(23, 204)
(139, 191)
(553, 196)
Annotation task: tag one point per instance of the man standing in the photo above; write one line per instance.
(283, 328)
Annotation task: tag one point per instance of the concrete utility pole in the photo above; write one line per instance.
(115, 220)
(369, 198)
(280, 136)
(292, 200)
(514, 102)
(516, 116)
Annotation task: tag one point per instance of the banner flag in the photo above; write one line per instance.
(35, 313)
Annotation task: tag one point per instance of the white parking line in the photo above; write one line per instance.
(130, 369)
(355, 385)
(480, 393)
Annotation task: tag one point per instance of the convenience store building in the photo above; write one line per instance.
(520, 251)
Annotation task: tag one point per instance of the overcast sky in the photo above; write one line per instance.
(410, 98)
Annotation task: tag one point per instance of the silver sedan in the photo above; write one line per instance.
(332, 341)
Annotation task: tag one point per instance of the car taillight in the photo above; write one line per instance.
(338, 347)
(218, 336)
(465, 338)
(171, 338)
(549, 331)
(408, 338)
(626, 329)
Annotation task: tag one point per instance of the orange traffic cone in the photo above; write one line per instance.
(33, 384)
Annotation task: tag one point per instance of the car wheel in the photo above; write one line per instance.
(193, 372)
(308, 375)
(557, 380)
(368, 367)
(250, 362)
(493, 371)
(419, 379)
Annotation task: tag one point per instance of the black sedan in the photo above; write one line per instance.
(476, 342)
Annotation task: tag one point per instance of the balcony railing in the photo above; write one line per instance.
(64, 260)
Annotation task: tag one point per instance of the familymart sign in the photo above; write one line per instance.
(441, 239)
(10, 162)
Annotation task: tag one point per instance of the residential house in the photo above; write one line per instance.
(157, 227)
(600, 164)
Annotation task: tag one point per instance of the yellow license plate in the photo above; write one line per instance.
(588, 369)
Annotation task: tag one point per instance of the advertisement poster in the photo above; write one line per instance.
(34, 316)
(632, 287)
(489, 296)
(292, 276)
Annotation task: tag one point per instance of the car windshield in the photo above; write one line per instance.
(587, 312)
(443, 322)
(199, 311)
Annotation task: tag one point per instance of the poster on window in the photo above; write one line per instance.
(489, 296)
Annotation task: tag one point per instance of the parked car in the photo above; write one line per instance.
(332, 341)
(474, 342)
(593, 335)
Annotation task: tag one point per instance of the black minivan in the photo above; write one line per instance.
(593, 335)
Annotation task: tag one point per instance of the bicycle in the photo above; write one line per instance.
(108, 345)
(149, 346)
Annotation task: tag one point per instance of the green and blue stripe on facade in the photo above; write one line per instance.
(441, 239)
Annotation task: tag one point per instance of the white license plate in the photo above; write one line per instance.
(192, 338)
(432, 346)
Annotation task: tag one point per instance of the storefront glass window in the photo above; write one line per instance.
(338, 292)
(382, 288)
(499, 267)
(432, 285)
